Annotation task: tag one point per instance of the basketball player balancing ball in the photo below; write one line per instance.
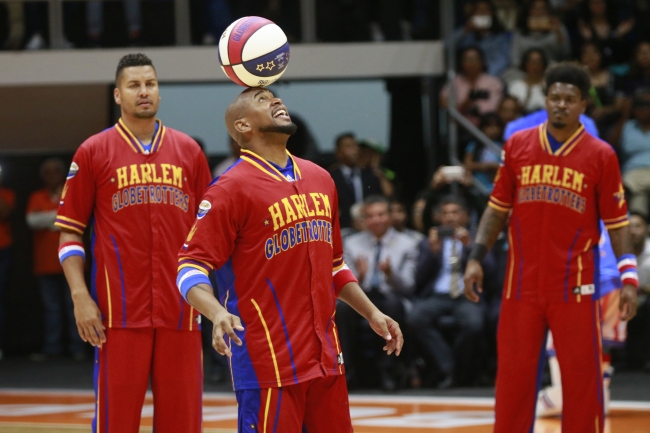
(253, 52)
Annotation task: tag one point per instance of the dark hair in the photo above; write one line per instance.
(635, 69)
(490, 118)
(453, 199)
(461, 54)
(611, 13)
(522, 21)
(569, 73)
(604, 60)
(131, 60)
(527, 54)
(374, 199)
(497, 25)
(339, 138)
(645, 220)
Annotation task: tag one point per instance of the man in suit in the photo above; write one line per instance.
(352, 183)
(439, 286)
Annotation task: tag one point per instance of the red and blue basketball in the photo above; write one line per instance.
(253, 52)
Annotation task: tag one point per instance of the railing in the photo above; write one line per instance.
(182, 25)
(455, 118)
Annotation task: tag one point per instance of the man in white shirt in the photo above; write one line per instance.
(383, 260)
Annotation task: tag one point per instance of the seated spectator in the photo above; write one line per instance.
(635, 153)
(443, 184)
(399, 218)
(538, 28)
(7, 203)
(352, 183)
(439, 293)
(603, 107)
(509, 109)
(600, 23)
(95, 22)
(383, 260)
(371, 153)
(639, 76)
(358, 224)
(235, 150)
(58, 308)
(476, 92)
(638, 330)
(529, 90)
(480, 160)
(484, 29)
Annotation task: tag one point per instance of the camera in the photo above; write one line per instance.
(475, 94)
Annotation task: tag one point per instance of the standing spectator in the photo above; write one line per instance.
(439, 286)
(509, 109)
(484, 29)
(7, 202)
(95, 22)
(638, 344)
(635, 153)
(55, 293)
(476, 91)
(352, 183)
(600, 23)
(480, 160)
(399, 218)
(529, 90)
(603, 106)
(235, 150)
(538, 28)
(383, 260)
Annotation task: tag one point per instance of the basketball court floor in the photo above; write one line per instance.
(62, 411)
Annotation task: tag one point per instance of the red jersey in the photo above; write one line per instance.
(46, 240)
(141, 206)
(557, 199)
(276, 245)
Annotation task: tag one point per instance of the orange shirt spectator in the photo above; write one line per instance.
(7, 201)
(41, 213)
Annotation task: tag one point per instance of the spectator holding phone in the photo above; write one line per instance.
(476, 91)
(538, 28)
(438, 285)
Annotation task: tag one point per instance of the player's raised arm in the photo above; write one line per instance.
(86, 312)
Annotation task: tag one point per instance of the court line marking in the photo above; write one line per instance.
(354, 398)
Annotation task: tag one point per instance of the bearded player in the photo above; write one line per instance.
(558, 181)
(269, 226)
(137, 185)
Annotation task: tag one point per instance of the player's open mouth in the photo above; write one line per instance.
(281, 114)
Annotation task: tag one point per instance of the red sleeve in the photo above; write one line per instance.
(505, 182)
(341, 274)
(211, 241)
(78, 197)
(611, 195)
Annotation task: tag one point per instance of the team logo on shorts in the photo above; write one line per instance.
(204, 208)
(74, 168)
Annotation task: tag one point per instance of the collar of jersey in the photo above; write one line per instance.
(134, 143)
(261, 164)
(566, 147)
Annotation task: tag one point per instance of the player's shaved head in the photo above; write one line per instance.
(237, 110)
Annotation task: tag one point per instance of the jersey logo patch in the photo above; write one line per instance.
(204, 208)
(74, 168)
(339, 358)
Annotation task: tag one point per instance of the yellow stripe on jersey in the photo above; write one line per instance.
(268, 166)
(196, 260)
(126, 138)
(499, 202)
(617, 225)
(193, 266)
(256, 165)
(336, 339)
(108, 296)
(266, 409)
(570, 142)
(338, 268)
(497, 207)
(191, 317)
(61, 217)
(63, 225)
(268, 338)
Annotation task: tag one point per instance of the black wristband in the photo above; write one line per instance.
(479, 251)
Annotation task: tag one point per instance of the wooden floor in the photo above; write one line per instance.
(71, 412)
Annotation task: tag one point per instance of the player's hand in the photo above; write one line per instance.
(473, 280)
(628, 303)
(89, 320)
(225, 323)
(389, 330)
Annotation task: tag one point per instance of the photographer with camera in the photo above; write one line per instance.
(439, 306)
(476, 91)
